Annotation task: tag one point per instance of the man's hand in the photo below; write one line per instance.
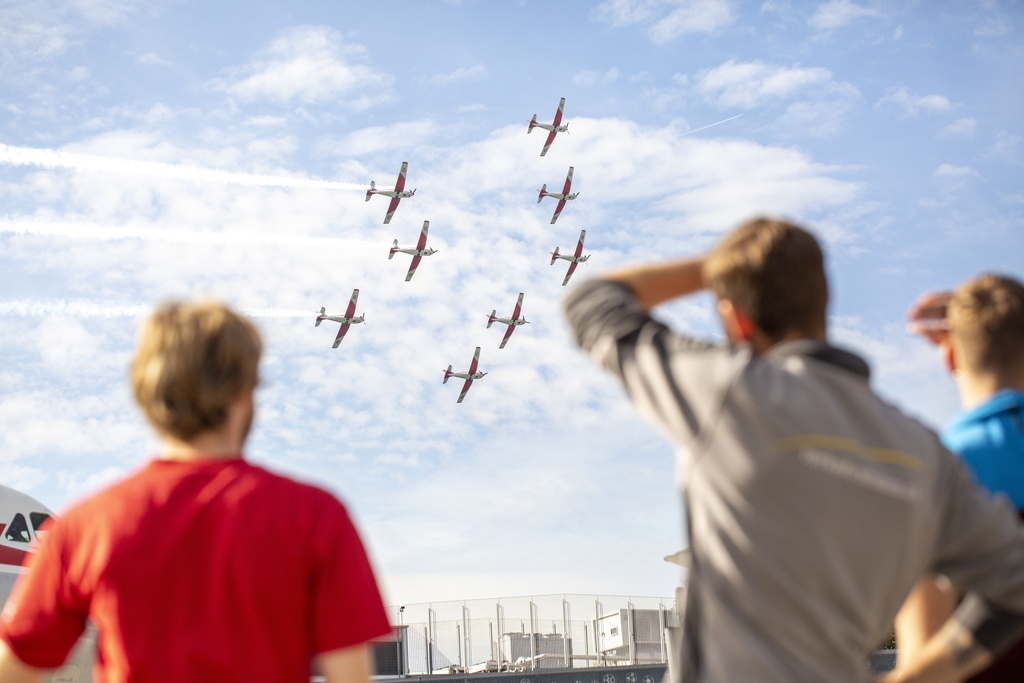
(951, 656)
(13, 670)
(928, 316)
(348, 665)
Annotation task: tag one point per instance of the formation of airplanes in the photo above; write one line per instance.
(398, 193)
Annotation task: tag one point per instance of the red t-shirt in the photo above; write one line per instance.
(209, 571)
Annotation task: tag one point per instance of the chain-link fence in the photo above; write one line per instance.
(530, 633)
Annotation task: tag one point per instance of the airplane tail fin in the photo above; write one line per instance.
(541, 192)
(447, 374)
(554, 257)
(533, 122)
(319, 318)
(391, 254)
(490, 318)
(372, 191)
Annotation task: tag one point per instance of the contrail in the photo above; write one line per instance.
(34, 308)
(50, 158)
(710, 125)
(92, 231)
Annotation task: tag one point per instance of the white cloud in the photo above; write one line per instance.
(309, 64)
(750, 84)
(1006, 147)
(951, 171)
(820, 102)
(961, 128)
(993, 26)
(471, 108)
(152, 59)
(667, 20)
(33, 31)
(78, 74)
(460, 74)
(912, 103)
(839, 13)
(593, 77)
(399, 136)
(898, 33)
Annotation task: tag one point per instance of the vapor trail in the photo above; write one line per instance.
(49, 158)
(82, 308)
(711, 125)
(92, 231)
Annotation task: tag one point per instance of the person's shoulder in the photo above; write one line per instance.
(973, 430)
(297, 492)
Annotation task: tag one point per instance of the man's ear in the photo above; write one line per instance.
(948, 355)
(738, 327)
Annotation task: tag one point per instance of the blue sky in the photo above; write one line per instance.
(894, 132)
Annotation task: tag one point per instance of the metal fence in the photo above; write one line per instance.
(530, 633)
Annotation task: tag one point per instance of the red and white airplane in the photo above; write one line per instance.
(397, 194)
(468, 376)
(554, 126)
(573, 260)
(512, 322)
(417, 254)
(562, 196)
(350, 318)
(21, 516)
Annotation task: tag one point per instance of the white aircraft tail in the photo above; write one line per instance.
(541, 192)
(554, 257)
(533, 122)
(447, 374)
(319, 318)
(394, 248)
(490, 318)
(372, 191)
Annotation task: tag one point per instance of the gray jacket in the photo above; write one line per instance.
(814, 506)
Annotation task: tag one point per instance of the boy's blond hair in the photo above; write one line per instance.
(194, 360)
(774, 272)
(986, 323)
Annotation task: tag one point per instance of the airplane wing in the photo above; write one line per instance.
(412, 267)
(572, 269)
(421, 245)
(547, 143)
(351, 311)
(579, 246)
(558, 211)
(508, 333)
(568, 182)
(465, 390)
(476, 359)
(391, 209)
(400, 183)
(341, 334)
(519, 306)
(558, 114)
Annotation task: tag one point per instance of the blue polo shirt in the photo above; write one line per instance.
(990, 438)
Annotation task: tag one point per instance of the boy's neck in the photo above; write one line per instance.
(978, 387)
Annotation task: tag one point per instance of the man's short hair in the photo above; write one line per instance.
(774, 272)
(194, 360)
(986, 321)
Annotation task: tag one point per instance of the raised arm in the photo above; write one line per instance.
(654, 284)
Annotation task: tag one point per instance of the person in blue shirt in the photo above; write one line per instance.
(979, 330)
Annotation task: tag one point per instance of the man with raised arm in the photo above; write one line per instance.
(199, 566)
(813, 505)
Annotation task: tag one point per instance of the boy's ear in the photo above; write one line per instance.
(738, 326)
(948, 355)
